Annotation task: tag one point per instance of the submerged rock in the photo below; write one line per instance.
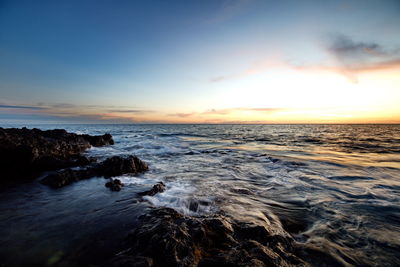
(165, 237)
(24, 153)
(114, 185)
(114, 166)
(157, 188)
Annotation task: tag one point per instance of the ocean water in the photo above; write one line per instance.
(334, 188)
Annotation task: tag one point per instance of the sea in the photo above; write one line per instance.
(334, 188)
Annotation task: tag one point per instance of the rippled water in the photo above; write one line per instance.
(334, 188)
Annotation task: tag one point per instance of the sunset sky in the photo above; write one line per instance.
(236, 61)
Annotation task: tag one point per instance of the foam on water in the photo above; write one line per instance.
(181, 197)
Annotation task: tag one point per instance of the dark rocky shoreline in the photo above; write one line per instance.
(168, 238)
(114, 166)
(25, 154)
(164, 237)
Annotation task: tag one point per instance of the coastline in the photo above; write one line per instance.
(159, 217)
(165, 237)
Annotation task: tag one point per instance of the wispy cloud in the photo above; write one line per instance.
(350, 58)
(130, 111)
(72, 112)
(217, 111)
(2, 106)
(182, 115)
(256, 68)
(226, 111)
(231, 110)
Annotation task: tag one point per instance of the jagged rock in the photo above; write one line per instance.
(157, 188)
(166, 238)
(114, 166)
(99, 140)
(24, 153)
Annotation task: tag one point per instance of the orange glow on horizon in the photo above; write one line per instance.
(280, 95)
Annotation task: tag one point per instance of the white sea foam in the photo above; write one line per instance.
(178, 195)
(182, 197)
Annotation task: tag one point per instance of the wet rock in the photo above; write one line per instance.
(99, 140)
(169, 238)
(193, 206)
(67, 176)
(114, 185)
(114, 166)
(157, 188)
(295, 226)
(24, 153)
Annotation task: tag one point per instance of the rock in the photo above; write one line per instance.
(25, 153)
(193, 206)
(114, 166)
(165, 237)
(157, 188)
(114, 185)
(99, 140)
(67, 176)
(118, 182)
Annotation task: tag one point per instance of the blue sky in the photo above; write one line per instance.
(175, 61)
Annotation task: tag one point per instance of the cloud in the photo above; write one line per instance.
(256, 68)
(218, 112)
(130, 111)
(358, 56)
(182, 115)
(348, 51)
(268, 110)
(231, 110)
(350, 58)
(58, 105)
(395, 63)
(70, 112)
(218, 78)
(225, 111)
(2, 106)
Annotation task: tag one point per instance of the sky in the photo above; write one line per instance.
(219, 61)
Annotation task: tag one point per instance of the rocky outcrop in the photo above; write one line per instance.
(24, 153)
(167, 238)
(114, 166)
(157, 188)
